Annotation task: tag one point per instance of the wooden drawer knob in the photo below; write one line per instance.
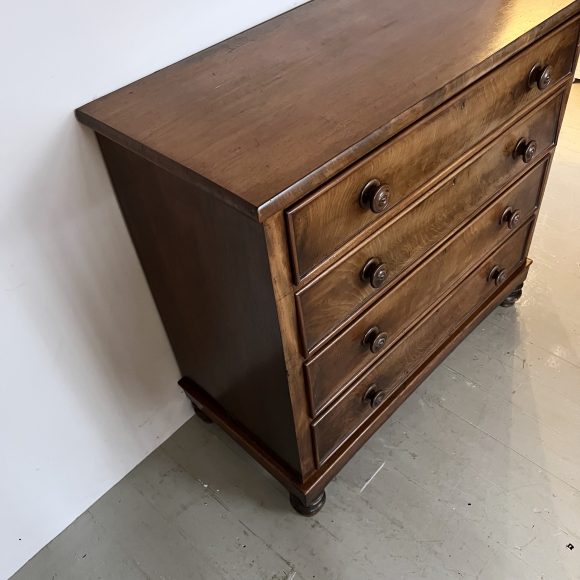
(375, 196)
(540, 76)
(526, 150)
(374, 272)
(511, 217)
(375, 396)
(375, 339)
(498, 275)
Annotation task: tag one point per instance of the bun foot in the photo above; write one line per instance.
(200, 414)
(512, 298)
(183, 384)
(310, 509)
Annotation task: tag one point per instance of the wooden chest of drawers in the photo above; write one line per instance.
(325, 205)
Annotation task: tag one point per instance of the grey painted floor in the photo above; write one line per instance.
(476, 476)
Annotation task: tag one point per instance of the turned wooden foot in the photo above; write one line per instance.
(199, 413)
(182, 383)
(309, 509)
(513, 297)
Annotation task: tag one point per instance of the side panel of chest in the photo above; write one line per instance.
(207, 266)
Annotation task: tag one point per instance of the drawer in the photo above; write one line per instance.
(338, 294)
(372, 393)
(385, 321)
(323, 222)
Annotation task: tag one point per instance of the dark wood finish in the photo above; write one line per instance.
(285, 303)
(355, 406)
(214, 161)
(314, 485)
(513, 296)
(254, 121)
(308, 509)
(423, 151)
(540, 76)
(198, 410)
(199, 413)
(322, 476)
(328, 371)
(375, 340)
(207, 266)
(375, 196)
(335, 297)
(260, 451)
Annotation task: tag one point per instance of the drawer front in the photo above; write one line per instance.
(408, 300)
(385, 378)
(323, 222)
(337, 295)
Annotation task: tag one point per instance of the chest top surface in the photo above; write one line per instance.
(268, 115)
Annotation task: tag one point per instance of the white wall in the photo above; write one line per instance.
(87, 378)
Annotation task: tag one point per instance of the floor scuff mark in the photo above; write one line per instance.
(371, 477)
(525, 545)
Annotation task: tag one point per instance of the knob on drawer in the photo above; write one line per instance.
(374, 395)
(540, 76)
(526, 150)
(498, 275)
(374, 272)
(511, 217)
(375, 339)
(375, 195)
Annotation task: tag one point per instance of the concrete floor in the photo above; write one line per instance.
(476, 476)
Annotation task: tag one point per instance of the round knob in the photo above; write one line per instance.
(374, 272)
(540, 76)
(375, 195)
(511, 217)
(375, 339)
(526, 150)
(498, 275)
(375, 396)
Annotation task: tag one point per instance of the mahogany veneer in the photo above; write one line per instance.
(326, 204)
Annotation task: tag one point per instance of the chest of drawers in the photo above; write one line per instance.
(326, 204)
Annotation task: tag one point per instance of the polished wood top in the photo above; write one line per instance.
(270, 114)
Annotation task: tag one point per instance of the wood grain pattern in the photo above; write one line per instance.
(272, 113)
(322, 476)
(207, 155)
(426, 149)
(337, 296)
(403, 359)
(207, 266)
(260, 451)
(279, 259)
(345, 356)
